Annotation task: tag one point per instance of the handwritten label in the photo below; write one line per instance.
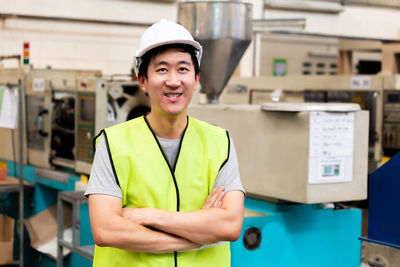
(331, 147)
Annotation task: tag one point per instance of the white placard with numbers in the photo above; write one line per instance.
(38, 84)
(360, 82)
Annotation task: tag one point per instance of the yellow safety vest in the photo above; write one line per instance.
(147, 180)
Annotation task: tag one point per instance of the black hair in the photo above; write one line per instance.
(149, 55)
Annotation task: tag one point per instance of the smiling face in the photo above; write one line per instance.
(170, 82)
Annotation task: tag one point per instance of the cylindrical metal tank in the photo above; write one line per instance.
(224, 29)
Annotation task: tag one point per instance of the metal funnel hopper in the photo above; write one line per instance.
(224, 29)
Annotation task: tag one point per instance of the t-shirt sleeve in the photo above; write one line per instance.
(229, 176)
(102, 179)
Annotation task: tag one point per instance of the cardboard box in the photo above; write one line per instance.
(42, 227)
(6, 239)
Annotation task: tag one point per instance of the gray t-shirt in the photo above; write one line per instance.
(102, 180)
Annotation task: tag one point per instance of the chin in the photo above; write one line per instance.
(175, 113)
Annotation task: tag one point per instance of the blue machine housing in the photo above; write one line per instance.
(45, 195)
(384, 198)
(299, 235)
(289, 235)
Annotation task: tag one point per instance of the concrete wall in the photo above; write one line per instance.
(78, 45)
(354, 20)
(110, 48)
(303, 54)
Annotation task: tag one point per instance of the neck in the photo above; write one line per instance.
(167, 127)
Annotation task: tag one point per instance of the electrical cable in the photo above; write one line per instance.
(13, 148)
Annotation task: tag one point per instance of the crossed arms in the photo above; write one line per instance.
(220, 219)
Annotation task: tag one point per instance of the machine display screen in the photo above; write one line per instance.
(87, 110)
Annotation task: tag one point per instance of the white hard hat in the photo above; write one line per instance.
(162, 33)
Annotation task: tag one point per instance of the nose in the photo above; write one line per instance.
(173, 80)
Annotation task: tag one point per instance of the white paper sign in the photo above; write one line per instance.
(360, 82)
(9, 108)
(38, 84)
(331, 147)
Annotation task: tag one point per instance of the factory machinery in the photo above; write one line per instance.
(297, 158)
(297, 161)
(379, 94)
(62, 111)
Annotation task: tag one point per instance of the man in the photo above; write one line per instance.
(165, 186)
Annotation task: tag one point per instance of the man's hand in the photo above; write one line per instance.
(214, 199)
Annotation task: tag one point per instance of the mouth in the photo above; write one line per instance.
(173, 95)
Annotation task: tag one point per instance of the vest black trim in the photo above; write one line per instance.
(109, 153)
(94, 140)
(229, 151)
(171, 169)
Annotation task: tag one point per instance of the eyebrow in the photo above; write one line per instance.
(166, 63)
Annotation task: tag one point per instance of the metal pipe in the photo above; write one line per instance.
(21, 162)
(302, 33)
(18, 57)
(67, 19)
(376, 3)
(21, 178)
(254, 54)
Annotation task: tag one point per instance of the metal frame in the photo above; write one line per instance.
(76, 198)
(9, 189)
(20, 174)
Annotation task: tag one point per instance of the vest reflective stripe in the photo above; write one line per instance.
(146, 180)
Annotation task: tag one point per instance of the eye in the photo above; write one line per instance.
(183, 69)
(161, 70)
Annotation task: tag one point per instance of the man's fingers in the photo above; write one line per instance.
(214, 198)
(209, 201)
(218, 202)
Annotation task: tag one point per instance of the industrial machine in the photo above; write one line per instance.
(391, 123)
(49, 117)
(47, 147)
(64, 110)
(295, 159)
(103, 103)
(378, 94)
(91, 99)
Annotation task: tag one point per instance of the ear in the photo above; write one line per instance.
(197, 78)
(142, 82)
